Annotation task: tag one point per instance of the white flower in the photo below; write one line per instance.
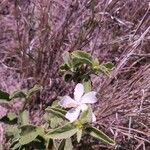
(79, 102)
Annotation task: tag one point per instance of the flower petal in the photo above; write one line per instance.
(93, 118)
(68, 102)
(89, 98)
(73, 114)
(78, 92)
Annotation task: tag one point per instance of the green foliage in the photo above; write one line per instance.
(17, 146)
(106, 68)
(86, 116)
(66, 145)
(18, 94)
(79, 65)
(95, 65)
(4, 95)
(67, 59)
(24, 118)
(81, 57)
(25, 93)
(11, 116)
(63, 132)
(55, 122)
(13, 131)
(56, 116)
(28, 134)
(99, 135)
(33, 90)
(57, 111)
(87, 85)
(79, 135)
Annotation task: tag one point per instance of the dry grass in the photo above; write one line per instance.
(35, 33)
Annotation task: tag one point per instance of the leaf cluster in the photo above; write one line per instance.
(79, 65)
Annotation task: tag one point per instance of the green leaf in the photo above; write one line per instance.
(11, 116)
(62, 144)
(63, 68)
(100, 135)
(56, 122)
(67, 59)
(28, 134)
(55, 116)
(63, 132)
(66, 145)
(41, 132)
(87, 85)
(49, 144)
(33, 90)
(24, 118)
(81, 56)
(77, 64)
(109, 65)
(95, 65)
(4, 95)
(16, 146)
(18, 94)
(13, 131)
(86, 116)
(57, 111)
(79, 135)
(68, 76)
(55, 103)
(106, 68)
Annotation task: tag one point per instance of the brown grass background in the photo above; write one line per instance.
(35, 33)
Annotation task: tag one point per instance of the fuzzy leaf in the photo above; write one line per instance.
(33, 90)
(28, 134)
(18, 94)
(57, 111)
(95, 65)
(67, 59)
(55, 115)
(16, 146)
(64, 68)
(100, 135)
(13, 131)
(63, 132)
(11, 116)
(40, 131)
(82, 56)
(4, 95)
(109, 65)
(86, 116)
(79, 135)
(56, 122)
(24, 117)
(68, 76)
(87, 86)
(66, 145)
(106, 68)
